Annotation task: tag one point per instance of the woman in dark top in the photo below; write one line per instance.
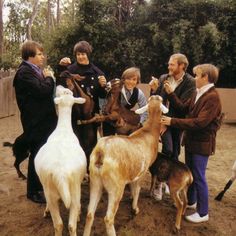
(92, 83)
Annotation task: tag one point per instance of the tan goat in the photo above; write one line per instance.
(119, 160)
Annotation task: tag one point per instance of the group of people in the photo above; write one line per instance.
(193, 118)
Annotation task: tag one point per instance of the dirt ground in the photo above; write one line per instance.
(21, 217)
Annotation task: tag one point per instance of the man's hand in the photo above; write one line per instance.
(167, 87)
(165, 120)
(102, 80)
(48, 73)
(65, 61)
(154, 84)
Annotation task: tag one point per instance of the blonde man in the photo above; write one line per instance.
(203, 119)
(183, 85)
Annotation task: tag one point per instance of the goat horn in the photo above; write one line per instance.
(141, 110)
(79, 100)
(164, 109)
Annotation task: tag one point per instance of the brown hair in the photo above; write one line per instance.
(131, 72)
(181, 59)
(210, 70)
(28, 49)
(84, 47)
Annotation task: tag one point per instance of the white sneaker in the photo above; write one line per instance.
(157, 193)
(196, 218)
(193, 206)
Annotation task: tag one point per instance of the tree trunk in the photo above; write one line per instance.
(73, 10)
(31, 20)
(49, 16)
(58, 12)
(1, 29)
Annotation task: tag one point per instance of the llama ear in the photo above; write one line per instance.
(79, 100)
(164, 109)
(57, 100)
(141, 110)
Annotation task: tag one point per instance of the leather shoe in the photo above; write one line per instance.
(36, 197)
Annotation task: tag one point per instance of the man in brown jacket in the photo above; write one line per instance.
(203, 120)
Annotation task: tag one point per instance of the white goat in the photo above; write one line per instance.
(119, 160)
(61, 165)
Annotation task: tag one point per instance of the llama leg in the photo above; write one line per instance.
(135, 190)
(95, 195)
(114, 197)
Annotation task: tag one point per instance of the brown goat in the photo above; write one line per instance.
(86, 134)
(124, 120)
(119, 160)
(178, 177)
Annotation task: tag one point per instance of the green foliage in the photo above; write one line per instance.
(135, 33)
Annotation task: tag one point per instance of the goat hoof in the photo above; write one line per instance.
(135, 211)
(23, 177)
(175, 230)
(47, 214)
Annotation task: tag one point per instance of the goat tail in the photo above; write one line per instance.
(63, 187)
(99, 157)
(7, 144)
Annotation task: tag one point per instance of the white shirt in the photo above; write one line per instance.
(175, 83)
(203, 90)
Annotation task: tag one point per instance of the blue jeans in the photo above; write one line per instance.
(171, 142)
(198, 191)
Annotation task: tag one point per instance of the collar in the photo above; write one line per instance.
(34, 67)
(204, 88)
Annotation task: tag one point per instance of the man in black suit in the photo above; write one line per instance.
(34, 94)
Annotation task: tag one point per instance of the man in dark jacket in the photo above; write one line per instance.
(183, 85)
(203, 119)
(34, 95)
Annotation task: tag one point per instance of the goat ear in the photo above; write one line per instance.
(164, 109)
(79, 100)
(141, 110)
(57, 100)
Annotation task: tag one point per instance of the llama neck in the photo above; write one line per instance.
(64, 118)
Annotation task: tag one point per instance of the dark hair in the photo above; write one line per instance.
(28, 49)
(84, 47)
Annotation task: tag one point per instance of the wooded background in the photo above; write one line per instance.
(125, 33)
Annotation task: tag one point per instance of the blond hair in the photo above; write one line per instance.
(181, 59)
(208, 69)
(131, 72)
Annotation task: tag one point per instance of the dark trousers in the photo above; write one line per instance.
(171, 140)
(198, 191)
(33, 183)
